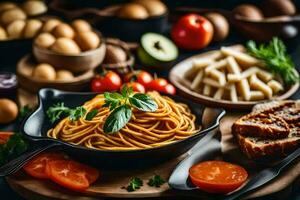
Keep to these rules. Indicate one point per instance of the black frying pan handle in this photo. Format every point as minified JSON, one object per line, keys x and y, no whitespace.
{"x":17,"y":163}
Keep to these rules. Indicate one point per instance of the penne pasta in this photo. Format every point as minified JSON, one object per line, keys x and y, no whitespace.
{"x":233,"y":93}
{"x":243,"y":58}
{"x":197,"y":81}
{"x":244,"y":89}
{"x":219,"y":93}
{"x":201,"y":63}
{"x":257,"y":84}
{"x":213,"y":83}
{"x":275,"y":86}
{"x":207,"y":90}
{"x":219,"y":76}
{"x":216,"y":65}
{"x":245,"y":74}
{"x":233,"y":66}
{"x":256,"y":95}
{"x":264,"y":75}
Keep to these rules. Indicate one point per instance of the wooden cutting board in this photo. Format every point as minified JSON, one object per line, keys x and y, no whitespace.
{"x":111,"y":183}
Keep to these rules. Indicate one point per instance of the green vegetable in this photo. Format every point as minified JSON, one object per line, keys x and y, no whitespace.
{"x":121,"y":106}
{"x":15,"y":146}
{"x":24,"y":111}
{"x":134,"y":184}
{"x":276,"y":59}
{"x":156,"y":181}
{"x":56,"y":111}
{"x":90,"y":115}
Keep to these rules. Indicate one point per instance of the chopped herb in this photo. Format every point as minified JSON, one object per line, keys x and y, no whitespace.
{"x":24,"y":111}
{"x":76,"y":113}
{"x":56,"y":111}
{"x":15,"y":146}
{"x":121,"y":106}
{"x":134,"y":184}
{"x":276,"y":59}
{"x":156,"y":181}
{"x":90,"y":115}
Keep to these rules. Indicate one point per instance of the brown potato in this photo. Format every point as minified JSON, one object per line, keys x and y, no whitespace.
{"x":34,"y":7}
{"x":44,"y":40}
{"x":63,"y":30}
{"x":87,"y":40}
{"x":12,"y":15}
{"x":15,"y":29}
{"x":153,"y":7}
{"x":44,"y":71}
{"x":65,"y":46}
{"x":33,"y":26}
{"x":3,"y":35}
{"x":249,"y":11}
{"x":7,"y":5}
{"x":50,"y":24}
{"x":8,"y":111}
{"x":220,"y":24}
{"x":278,"y":7}
{"x":81,"y":25}
{"x":64,"y":75}
{"x":133,"y":11}
{"x":114,"y":54}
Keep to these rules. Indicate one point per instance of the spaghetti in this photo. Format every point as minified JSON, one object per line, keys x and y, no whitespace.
{"x":170,"y":123}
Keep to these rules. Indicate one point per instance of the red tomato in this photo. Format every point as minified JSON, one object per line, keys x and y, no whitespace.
{"x":158,"y":84}
{"x":37,"y":166}
{"x":111,"y":81}
{"x":169,"y":89}
{"x":218,"y":176}
{"x":71,"y":174}
{"x":141,"y":77}
{"x":4,"y":136}
{"x":137,"y":87}
{"x":192,"y":32}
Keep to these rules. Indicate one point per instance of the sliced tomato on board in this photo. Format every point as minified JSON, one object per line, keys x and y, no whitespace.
{"x":71,"y":174}
{"x":4,"y":136}
{"x":217,"y":176}
{"x":37,"y":166}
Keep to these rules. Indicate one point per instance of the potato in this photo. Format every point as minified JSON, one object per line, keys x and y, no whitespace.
{"x":8,"y":111}
{"x":12,"y":15}
{"x":44,"y":71}
{"x":133,"y":11}
{"x":32,"y":27}
{"x":33,"y":8}
{"x":50,"y":24}
{"x":3,"y":35}
{"x":15,"y":29}
{"x":81,"y":25}
{"x":249,"y":11}
{"x":114,"y":54}
{"x":64,"y":75}
{"x":220,"y":24}
{"x":7,"y":5}
{"x":87,"y":40}
{"x":44,"y":40}
{"x":65,"y":46}
{"x":63,"y":30}
{"x":153,"y":7}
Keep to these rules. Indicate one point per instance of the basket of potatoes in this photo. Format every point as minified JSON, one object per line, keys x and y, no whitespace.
{"x":76,"y":47}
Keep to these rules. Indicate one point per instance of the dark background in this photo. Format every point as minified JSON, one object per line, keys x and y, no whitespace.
{"x":11,"y":52}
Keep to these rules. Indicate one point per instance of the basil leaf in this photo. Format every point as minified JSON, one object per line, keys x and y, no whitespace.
{"x":76,"y":113}
{"x":143,"y":102}
{"x":117,"y":119}
{"x":91,"y":114}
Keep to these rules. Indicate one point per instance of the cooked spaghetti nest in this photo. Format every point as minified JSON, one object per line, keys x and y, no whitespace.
{"x":170,"y":123}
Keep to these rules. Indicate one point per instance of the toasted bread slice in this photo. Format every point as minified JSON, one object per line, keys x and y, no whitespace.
{"x":256,"y":148}
{"x":262,"y":125}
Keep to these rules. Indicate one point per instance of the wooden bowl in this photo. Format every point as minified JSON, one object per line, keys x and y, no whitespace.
{"x":121,"y":67}
{"x":31,"y":84}
{"x":85,"y":61}
{"x":183,"y":87}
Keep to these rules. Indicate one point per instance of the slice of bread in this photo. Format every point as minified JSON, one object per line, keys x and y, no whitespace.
{"x":251,"y":130}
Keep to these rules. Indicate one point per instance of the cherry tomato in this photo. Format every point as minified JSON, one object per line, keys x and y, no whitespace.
{"x":218,"y":176}
{"x":71,"y":174}
{"x":110,"y":81}
{"x":137,"y":87}
{"x":192,"y":32}
{"x":4,"y":136}
{"x":37,"y":166}
{"x":141,"y":77}
{"x":169,"y":89}
{"x":158,"y":84}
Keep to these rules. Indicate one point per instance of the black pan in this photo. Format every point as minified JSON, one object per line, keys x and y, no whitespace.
{"x":36,"y":125}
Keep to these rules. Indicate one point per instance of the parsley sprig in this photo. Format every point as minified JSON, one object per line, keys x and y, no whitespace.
{"x":276,"y":59}
{"x":156,"y":181}
{"x":121,"y":106}
{"x":134,"y":184}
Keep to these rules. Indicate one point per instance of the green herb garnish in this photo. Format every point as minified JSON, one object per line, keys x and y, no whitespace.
{"x":56,"y":111}
{"x":24,"y":111}
{"x":121,"y":106}
{"x":134,"y":184}
{"x":156,"y":181}
{"x":15,"y":146}
{"x":275,"y":57}
{"x":90,"y":115}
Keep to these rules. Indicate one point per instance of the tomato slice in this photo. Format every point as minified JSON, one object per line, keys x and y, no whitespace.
{"x":37,"y":166}
{"x":218,"y":176}
{"x":71,"y":174}
{"x":4,"y":136}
